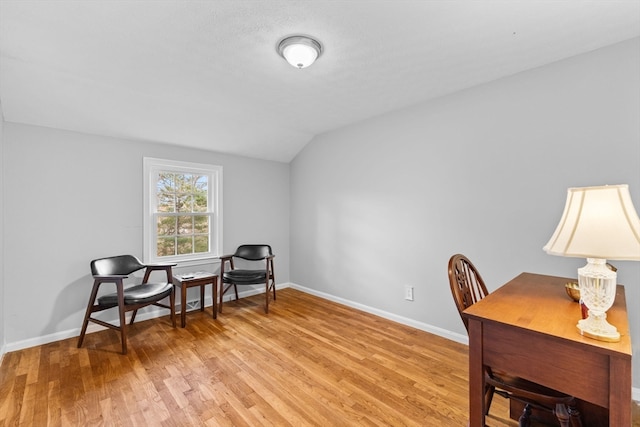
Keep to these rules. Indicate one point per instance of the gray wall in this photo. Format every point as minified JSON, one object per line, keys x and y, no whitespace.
{"x":2,"y":299}
{"x":483,"y":172}
{"x":73,"y":197}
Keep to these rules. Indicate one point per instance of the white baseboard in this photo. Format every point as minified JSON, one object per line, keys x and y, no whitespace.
{"x":157,"y":312}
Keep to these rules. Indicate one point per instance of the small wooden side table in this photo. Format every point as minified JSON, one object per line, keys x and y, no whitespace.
{"x":201,"y":278}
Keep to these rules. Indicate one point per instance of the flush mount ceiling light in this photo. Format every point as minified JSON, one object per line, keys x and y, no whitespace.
{"x":299,"y":51}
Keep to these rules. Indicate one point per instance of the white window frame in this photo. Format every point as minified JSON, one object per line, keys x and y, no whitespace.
{"x":151,"y":167}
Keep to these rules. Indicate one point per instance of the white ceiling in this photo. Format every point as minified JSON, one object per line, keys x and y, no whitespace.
{"x":206,"y":73}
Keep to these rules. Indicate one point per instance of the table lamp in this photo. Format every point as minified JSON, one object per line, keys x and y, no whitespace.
{"x":598,"y":223}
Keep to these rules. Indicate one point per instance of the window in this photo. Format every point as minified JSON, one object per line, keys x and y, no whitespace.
{"x":182,"y":210}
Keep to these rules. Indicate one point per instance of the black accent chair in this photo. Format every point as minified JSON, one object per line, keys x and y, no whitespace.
{"x":255,"y":254}
{"x":467,"y":288}
{"x":115,"y":270}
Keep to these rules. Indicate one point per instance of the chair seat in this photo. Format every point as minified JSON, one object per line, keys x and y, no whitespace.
{"x":139,"y":294}
{"x":245,"y":276}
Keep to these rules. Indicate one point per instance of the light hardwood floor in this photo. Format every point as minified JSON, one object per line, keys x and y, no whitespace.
{"x":310,"y":362}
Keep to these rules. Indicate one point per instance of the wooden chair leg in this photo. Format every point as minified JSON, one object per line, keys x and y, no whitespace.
{"x":525,"y":418}
{"x":266,"y":298}
{"x":85,"y":323}
{"x":220,"y":295}
{"x":172,"y":305}
{"x":123,"y":323}
{"x":272,"y":278}
{"x":123,"y":330}
{"x":574,"y":416}
{"x":133,"y":316}
{"x":488,"y":398}
{"x":562,"y":415}
{"x":223,"y":291}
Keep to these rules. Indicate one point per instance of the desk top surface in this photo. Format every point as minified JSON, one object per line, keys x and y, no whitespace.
{"x":540,"y":303}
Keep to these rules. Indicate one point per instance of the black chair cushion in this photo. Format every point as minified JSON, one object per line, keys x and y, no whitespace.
{"x":139,"y":294}
{"x":247,"y":277}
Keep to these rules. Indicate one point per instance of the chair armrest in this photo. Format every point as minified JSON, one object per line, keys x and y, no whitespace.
{"x":155,"y":267}
{"x":224,"y":259}
{"x":159,"y":266}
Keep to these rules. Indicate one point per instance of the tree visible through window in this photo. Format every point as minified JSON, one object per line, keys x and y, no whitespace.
{"x":183,"y":210}
{"x":182,"y":219}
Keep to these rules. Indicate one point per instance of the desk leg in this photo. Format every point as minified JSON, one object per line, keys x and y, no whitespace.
{"x":619,"y":392}
{"x":214,"y":296}
{"x":476,"y":375}
{"x":183,"y":305}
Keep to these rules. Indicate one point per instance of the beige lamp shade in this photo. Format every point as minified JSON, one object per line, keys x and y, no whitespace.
{"x":598,"y":222}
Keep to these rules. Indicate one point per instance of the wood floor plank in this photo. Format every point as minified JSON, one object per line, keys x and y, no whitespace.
{"x":309,"y":362}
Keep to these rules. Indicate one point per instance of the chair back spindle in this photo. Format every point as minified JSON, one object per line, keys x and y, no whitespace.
{"x":466,"y":284}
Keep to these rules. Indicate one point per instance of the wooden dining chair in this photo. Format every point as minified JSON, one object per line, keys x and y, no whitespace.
{"x":467,"y":288}
{"x":115,"y":270}
{"x":260,"y":271}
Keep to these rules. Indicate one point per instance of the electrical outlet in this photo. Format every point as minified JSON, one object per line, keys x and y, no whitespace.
{"x":408,"y":292}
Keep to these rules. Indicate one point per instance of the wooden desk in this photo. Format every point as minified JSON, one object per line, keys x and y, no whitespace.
{"x":528,"y":328}
{"x":199,"y":279}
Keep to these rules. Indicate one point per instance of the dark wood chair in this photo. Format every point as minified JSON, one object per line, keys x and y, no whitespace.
{"x":115,"y":270}
{"x":467,"y":288}
{"x":255,"y":255}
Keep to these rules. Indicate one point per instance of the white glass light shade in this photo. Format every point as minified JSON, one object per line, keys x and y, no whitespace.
{"x":598,"y":222}
{"x":299,"y":51}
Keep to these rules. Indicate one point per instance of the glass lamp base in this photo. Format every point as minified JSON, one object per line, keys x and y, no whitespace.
{"x":598,"y":291}
{"x":598,"y":329}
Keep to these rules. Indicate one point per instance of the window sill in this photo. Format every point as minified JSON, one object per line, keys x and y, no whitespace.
{"x":198,"y":262}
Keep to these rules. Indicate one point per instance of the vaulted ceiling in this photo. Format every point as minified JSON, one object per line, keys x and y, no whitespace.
{"x":206,"y":74}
